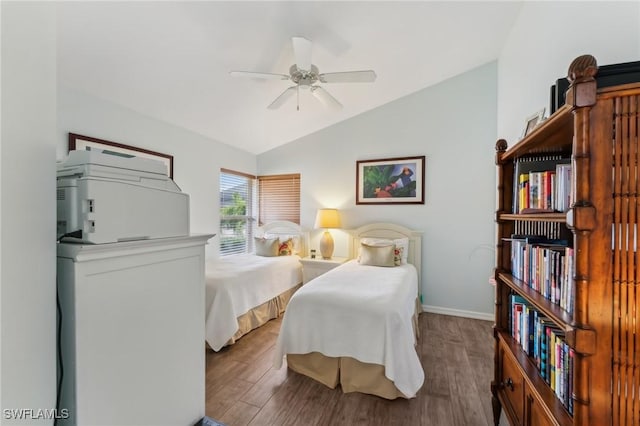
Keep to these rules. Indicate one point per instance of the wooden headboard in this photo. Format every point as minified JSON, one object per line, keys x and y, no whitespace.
{"x":286,"y":228}
{"x":390,"y":231}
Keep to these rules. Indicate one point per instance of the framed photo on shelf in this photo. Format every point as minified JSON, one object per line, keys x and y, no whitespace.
{"x":533,"y":121}
{"x":390,"y":181}
{"x":86,"y":143}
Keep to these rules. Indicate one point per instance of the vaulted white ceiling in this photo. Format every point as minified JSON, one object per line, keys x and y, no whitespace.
{"x":171,"y":60}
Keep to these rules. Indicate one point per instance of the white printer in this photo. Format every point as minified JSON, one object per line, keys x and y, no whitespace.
{"x":106,"y":197}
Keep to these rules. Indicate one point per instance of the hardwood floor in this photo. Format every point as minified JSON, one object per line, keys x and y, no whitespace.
{"x":242,"y":388}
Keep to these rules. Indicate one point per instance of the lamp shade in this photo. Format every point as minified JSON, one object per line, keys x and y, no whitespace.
{"x":327,"y":218}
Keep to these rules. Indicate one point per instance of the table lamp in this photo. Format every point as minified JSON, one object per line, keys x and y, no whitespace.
{"x":327,"y":218}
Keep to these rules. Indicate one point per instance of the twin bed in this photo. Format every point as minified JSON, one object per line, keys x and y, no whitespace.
{"x":243,"y":292}
{"x":355,"y":325}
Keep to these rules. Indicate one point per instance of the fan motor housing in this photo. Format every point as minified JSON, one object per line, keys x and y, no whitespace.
{"x":302,"y":77}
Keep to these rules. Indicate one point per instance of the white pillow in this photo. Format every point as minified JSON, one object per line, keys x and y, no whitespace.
{"x":377,"y":255}
{"x":398,"y":242}
{"x":267,"y":247}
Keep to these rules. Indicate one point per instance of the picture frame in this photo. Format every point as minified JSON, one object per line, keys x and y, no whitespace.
{"x":390,"y":180}
{"x":82,"y":142}
{"x":533,"y":121}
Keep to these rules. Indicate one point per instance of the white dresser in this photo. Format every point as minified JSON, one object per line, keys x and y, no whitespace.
{"x":133,"y":331}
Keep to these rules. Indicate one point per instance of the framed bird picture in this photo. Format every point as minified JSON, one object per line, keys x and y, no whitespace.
{"x":390,"y":181}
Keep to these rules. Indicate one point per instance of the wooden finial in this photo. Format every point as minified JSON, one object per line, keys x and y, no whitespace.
{"x":501,"y":145}
{"x":583,"y":68}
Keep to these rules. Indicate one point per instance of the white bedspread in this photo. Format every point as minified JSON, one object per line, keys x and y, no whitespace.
{"x":364,"y":312}
{"x":236,"y":284}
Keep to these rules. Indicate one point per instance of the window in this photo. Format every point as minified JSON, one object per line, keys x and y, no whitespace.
{"x":237,"y":212}
{"x":279,"y":198}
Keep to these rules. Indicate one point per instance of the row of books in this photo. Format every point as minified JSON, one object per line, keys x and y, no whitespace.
{"x":546,"y":266}
{"x":544,"y":342}
{"x":542,"y":184}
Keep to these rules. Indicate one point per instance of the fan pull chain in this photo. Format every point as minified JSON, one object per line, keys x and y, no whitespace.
{"x":298,"y":96}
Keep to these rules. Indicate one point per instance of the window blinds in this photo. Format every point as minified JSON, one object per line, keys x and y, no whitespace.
{"x":279,"y":198}
{"x":237,"y":212}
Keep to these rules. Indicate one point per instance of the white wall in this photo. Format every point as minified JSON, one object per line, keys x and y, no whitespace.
{"x":454,"y":125}
{"x":545,"y":39}
{"x":197,"y":159}
{"x":28,"y":221}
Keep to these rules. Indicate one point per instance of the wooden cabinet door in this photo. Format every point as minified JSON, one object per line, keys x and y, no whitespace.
{"x":535,"y":414}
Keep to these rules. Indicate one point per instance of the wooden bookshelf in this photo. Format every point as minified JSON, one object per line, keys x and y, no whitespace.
{"x":600,"y":130}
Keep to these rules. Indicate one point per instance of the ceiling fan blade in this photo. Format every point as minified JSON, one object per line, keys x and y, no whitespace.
{"x":367,"y":76}
{"x":284,"y":96}
{"x":302,"y":53}
{"x":324,"y":97}
{"x":264,"y":75}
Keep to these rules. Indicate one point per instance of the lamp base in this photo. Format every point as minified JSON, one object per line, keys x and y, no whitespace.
{"x":326,"y":245}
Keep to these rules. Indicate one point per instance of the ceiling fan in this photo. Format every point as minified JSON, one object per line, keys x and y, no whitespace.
{"x":305,"y":75}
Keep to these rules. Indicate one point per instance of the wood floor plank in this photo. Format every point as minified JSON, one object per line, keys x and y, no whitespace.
{"x":253,"y":350}
{"x":259,"y":367}
{"x":436,"y":411}
{"x":240,"y":414}
{"x":350,"y":409}
{"x":465,"y":400}
{"x":283,"y":405}
{"x":225,"y":373}
{"x":476,"y":335}
{"x":436,"y":378}
{"x":457,"y":357}
{"x":398,"y":412}
{"x":266,"y":387}
{"x":483,"y":374}
{"x":225,"y":397}
{"x":316,"y":401}
{"x":446,"y":327}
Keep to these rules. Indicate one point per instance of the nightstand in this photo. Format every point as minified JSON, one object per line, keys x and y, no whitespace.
{"x":312,"y":268}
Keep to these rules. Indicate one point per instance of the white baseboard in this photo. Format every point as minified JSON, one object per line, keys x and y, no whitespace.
{"x":458,"y":313}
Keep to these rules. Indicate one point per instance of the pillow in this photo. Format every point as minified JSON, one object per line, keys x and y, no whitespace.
{"x":285,"y":248}
{"x":295,"y":239}
{"x":404,"y":244}
{"x":267,"y":247}
{"x":397,"y":255}
{"x":377,"y":255}
{"x":398,"y":242}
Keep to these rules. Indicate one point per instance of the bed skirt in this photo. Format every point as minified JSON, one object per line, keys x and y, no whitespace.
{"x":351,"y":374}
{"x":262,"y":314}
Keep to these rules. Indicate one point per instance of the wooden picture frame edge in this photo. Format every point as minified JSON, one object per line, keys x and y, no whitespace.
{"x":74,"y":137}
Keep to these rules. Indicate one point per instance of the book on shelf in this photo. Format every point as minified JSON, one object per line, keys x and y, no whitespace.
{"x":569,"y":404}
{"x":536,"y":184}
{"x":544,"y":342}
{"x":540,"y":356}
{"x":545,"y":265}
{"x":563,"y":187}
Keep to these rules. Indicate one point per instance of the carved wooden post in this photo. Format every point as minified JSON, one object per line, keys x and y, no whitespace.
{"x":581,"y":220}
{"x":501,"y":147}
